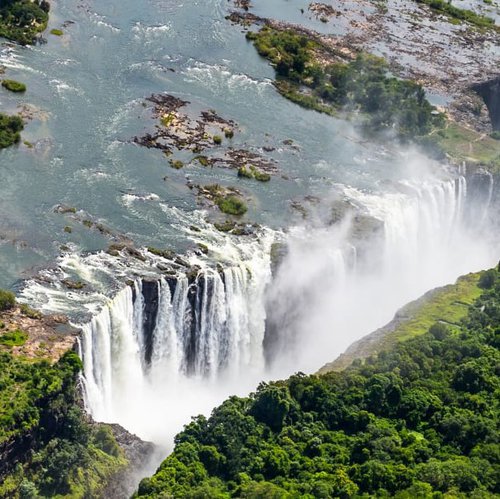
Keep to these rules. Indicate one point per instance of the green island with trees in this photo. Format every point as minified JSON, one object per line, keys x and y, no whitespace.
{"x":10,"y":130}
{"x":360,"y":87}
{"x":22,"y":20}
{"x":319,"y":77}
{"x":417,"y":420}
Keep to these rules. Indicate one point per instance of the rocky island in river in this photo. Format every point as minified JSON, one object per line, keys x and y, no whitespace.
{"x":198,"y":200}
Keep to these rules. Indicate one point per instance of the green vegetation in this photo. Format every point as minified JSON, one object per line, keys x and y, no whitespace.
{"x":7,"y":300}
{"x":70,"y":284}
{"x":228,"y":133}
{"x":56,"y":32}
{"x":30,"y":312}
{"x":164,"y":253}
{"x":231,"y":227}
{"x":177,"y":164}
{"x":458,"y":14}
{"x":419,"y":420}
{"x":231,"y":205}
{"x":65,"y":456}
{"x":14,"y":86}
{"x":261,"y":176}
{"x":167,"y":119}
{"x":244,"y":172}
{"x":10,"y":128}
{"x":203,"y":160}
{"x":22,"y":20}
{"x":364,"y":90}
{"x":217,"y":139}
{"x":226,"y":198}
{"x":446,"y":305}
{"x":362,"y":87}
{"x":252,"y":172}
{"x":14,"y":338}
{"x":464,"y":144}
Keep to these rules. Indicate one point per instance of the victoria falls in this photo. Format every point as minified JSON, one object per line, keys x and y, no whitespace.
{"x":249,"y":249}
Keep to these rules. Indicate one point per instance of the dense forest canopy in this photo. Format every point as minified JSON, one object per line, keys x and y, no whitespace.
{"x":420,"y":420}
{"x":47,"y":446}
{"x":21,"y":20}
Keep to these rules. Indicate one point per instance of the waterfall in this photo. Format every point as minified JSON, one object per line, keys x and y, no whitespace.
{"x":207,"y":328}
{"x":417,"y":238}
{"x":181,"y":337}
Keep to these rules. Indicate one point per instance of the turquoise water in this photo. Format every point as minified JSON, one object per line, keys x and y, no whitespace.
{"x":86,"y":91}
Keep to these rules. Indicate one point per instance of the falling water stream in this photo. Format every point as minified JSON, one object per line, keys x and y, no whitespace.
{"x":163,"y":341}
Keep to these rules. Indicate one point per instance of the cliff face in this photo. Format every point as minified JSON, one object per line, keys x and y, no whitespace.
{"x":48,"y":336}
{"x":490,"y":93}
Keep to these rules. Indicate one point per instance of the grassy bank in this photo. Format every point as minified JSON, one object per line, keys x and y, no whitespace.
{"x":447,"y":305}
{"x":464,"y":144}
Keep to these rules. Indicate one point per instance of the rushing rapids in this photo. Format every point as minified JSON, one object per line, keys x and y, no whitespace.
{"x":173,"y":343}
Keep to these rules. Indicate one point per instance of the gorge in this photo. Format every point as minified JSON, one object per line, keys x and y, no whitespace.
{"x":181,"y":304}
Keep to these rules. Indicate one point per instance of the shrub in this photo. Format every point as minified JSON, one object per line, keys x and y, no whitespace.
{"x":30,"y":312}
{"x":439,"y":331}
{"x":105,"y":440}
{"x":232,"y":205}
{"x":229,"y":133}
{"x":167,"y":119}
{"x":14,"y":86}
{"x":7,"y":300}
{"x":56,"y":32}
{"x":13,"y":338}
{"x":217,"y":139}
{"x":261,"y":176}
{"x":244,"y":172}
{"x":487,"y":279}
{"x":203,"y":160}
{"x":176,"y":163}
{"x":10,"y":128}
{"x":252,"y":172}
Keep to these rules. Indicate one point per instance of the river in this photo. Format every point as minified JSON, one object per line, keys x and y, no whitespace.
{"x":87,"y":91}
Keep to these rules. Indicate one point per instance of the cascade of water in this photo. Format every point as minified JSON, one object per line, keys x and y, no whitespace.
{"x":172,"y":338}
{"x":205,"y":328}
{"x":330,"y":302}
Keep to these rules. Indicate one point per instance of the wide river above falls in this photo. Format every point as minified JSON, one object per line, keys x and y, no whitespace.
{"x":86,"y":91}
{"x":86,"y":94}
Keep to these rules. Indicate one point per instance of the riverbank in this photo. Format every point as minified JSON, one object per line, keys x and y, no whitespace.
{"x":465,"y":99}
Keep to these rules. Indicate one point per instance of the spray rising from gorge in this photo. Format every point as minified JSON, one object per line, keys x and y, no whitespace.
{"x":177,"y":342}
